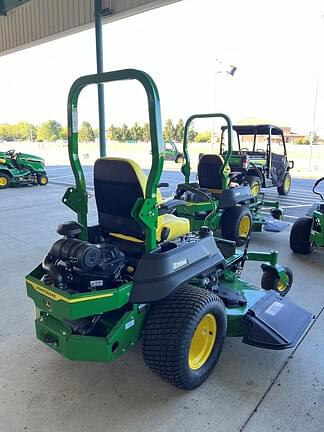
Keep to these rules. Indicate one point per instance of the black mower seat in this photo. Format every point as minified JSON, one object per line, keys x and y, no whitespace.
{"x":118,"y":183}
{"x":210,"y":176}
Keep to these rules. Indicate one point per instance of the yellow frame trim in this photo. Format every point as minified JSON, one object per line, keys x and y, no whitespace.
{"x":58,"y":297}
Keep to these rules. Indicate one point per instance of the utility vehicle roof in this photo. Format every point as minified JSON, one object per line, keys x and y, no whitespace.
{"x":261,"y":129}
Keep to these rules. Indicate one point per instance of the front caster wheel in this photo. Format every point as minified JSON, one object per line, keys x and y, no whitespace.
{"x":42,"y":179}
{"x":184,"y":336}
{"x":277,"y":214}
{"x":271,"y":281}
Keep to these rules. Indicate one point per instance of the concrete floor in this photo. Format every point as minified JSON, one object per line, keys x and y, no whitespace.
{"x":250,"y":390}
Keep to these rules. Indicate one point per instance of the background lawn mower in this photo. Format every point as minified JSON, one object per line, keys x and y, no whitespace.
{"x":21,"y":168}
{"x":308,"y":232}
{"x":216,"y":200}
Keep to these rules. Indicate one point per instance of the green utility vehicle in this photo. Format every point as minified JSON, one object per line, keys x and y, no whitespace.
{"x":308,"y":232}
{"x":21,"y":168}
{"x":216,"y":201}
{"x":138,"y":274}
{"x":172,"y":153}
{"x":255,"y":161}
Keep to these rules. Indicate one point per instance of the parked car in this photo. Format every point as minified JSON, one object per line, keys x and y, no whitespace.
{"x":172,"y":152}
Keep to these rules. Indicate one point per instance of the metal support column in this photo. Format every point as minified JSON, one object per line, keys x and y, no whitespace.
{"x":101,"y":96}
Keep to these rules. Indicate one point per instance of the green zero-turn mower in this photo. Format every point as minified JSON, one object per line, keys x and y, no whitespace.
{"x":138,"y":274}
{"x":21,"y":168}
{"x":216,"y":201}
{"x":308,"y":232}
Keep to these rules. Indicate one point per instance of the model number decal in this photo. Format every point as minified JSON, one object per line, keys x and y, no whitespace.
{"x":96,"y":283}
{"x":274,"y":308}
{"x":178,"y":264}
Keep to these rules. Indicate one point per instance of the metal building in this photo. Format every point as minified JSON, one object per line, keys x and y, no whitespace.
{"x":37,"y":21}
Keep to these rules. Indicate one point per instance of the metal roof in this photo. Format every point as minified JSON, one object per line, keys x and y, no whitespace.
{"x":261,"y":129}
{"x":25,"y":23}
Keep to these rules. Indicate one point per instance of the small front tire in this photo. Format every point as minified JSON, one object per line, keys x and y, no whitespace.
{"x":271,"y":281}
{"x":277,"y":214}
{"x":42,"y":180}
{"x":184,"y":335}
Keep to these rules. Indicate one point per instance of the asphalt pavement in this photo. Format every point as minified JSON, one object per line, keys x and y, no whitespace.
{"x":295,"y":204}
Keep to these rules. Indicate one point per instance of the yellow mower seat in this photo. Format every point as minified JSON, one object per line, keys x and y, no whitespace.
{"x":118,"y":184}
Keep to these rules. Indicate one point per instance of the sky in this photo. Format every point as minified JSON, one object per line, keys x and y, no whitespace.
{"x":276,"y":47}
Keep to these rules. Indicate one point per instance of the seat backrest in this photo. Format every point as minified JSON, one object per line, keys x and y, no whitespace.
{"x":118,"y":183}
{"x":210,"y":174}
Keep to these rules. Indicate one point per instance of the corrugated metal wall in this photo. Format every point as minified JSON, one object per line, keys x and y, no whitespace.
{"x":41,"y":20}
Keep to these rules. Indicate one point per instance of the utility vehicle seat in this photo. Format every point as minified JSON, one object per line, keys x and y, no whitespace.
{"x":118,"y":183}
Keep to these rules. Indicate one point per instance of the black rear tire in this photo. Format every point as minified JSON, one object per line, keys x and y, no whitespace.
{"x":170,"y":329}
{"x":271,"y":281}
{"x":285,"y":188}
{"x":300,"y":236}
{"x":236,"y":224}
{"x":5,"y":180}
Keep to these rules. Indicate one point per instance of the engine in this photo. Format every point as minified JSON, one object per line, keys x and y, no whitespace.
{"x":74,"y":265}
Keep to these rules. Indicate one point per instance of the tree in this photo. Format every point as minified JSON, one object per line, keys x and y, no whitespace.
{"x":125,"y":133}
{"x":307,"y":138}
{"x":49,"y":131}
{"x":86,"y":133}
{"x":179,"y":131}
{"x":146,"y":136}
{"x":64,"y":133}
{"x":169,"y":131}
{"x":6,"y":132}
{"x":136,"y":132}
{"x":24,"y":131}
{"x":203,"y":137}
{"x":192,"y":134}
{"x":112,"y":132}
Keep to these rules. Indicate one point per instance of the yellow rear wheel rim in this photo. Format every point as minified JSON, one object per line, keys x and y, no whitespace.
{"x":245,"y":226}
{"x":202,"y":342}
{"x":43,"y":180}
{"x":3,"y":181}
{"x":287,"y":183}
{"x":255,"y":188}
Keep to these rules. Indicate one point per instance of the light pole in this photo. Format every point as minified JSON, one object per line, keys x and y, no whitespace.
{"x":313,"y":134}
{"x":221,"y":68}
{"x":314,"y":123}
